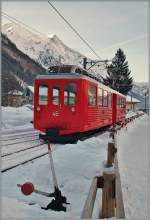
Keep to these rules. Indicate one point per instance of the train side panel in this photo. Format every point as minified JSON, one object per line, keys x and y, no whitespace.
{"x":96,"y":115}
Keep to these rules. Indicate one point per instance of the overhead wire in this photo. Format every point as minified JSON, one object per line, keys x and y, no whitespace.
{"x":75,"y":30}
{"x":15,"y":20}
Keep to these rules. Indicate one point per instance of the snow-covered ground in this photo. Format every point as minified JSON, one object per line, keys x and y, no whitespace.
{"x":134,"y":162}
{"x":76,"y":165}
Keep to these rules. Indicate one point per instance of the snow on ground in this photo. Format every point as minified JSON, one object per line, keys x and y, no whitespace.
{"x":75,"y":165}
{"x":134,"y":161}
{"x":16,"y":117}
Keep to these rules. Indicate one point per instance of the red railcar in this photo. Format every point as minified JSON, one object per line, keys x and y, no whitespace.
{"x":68,"y":103}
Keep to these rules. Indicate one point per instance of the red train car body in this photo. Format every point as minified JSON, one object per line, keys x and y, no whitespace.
{"x":68,"y":103}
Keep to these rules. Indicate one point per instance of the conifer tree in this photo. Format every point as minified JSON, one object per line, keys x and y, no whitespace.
{"x":118,"y":74}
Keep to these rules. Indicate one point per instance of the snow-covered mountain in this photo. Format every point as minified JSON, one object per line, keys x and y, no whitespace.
{"x":45,"y":49}
{"x":140,"y":88}
{"x":138,"y":91}
{"x":18,"y":69}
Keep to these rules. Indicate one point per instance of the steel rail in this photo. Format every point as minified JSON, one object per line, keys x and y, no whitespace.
{"x":24,"y":149}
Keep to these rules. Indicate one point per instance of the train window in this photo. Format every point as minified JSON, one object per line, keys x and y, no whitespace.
{"x":118,"y":101}
{"x":109,"y":100}
{"x":43,"y":94}
{"x":56,"y":94}
{"x":70,"y":91}
{"x":123,"y":102}
{"x":105,"y":95}
{"x":100,"y":97}
{"x":92,"y":96}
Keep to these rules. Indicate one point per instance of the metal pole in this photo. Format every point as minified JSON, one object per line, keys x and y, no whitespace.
{"x":145,"y":102}
{"x":84,"y":62}
{"x":55,"y":184}
{"x":131,"y":103}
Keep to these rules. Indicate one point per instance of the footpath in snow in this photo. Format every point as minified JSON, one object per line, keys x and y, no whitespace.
{"x":134,"y":160}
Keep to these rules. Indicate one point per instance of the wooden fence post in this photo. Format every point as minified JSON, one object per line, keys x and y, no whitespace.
{"x":108,"y":195}
{"x":111,"y":154}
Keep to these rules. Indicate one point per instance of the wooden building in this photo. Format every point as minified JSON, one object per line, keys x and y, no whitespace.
{"x":131,"y":103}
{"x":14,"y":98}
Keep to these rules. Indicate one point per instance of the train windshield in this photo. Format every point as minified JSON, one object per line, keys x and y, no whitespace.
{"x":70,"y":90}
{"x":43,"y":94}
{"x":56,"y":94}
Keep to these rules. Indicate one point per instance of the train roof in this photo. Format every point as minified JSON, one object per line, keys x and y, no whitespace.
{"x":72,"y":74}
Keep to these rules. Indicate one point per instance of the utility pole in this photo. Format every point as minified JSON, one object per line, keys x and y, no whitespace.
{"x":131,"y":104}
{"x":93,"y":63}
{"x":84,"y":62}
{"x":145,"y":96}
{"x":145,"y":102}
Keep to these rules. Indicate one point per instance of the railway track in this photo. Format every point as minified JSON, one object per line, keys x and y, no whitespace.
{"x":15,"y":137}
{"x":20,"y":147}
{"x":25,"y":153}
{"x":19,"y":142}
{"x":19,"y":154}
{"x":17,"y":131}
{"x":21,"y":150}
{"x":22,"y":156}
{"x":23,"y":162}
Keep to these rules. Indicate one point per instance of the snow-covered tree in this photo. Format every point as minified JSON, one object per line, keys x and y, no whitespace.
{"x":118,"y":74}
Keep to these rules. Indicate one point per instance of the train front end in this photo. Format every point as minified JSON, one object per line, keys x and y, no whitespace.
{"x":56,"y":110}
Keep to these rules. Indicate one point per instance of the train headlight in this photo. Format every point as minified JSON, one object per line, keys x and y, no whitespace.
{"x":38,"y":109}
{"x":73,"y":109}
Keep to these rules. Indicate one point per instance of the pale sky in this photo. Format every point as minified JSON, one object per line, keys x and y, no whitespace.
{"x":105,"y":25}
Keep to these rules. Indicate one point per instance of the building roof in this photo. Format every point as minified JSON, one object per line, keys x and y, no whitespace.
{"x":31,"y":88}
{"x":128,"y":99}
{"x":15,"y":92}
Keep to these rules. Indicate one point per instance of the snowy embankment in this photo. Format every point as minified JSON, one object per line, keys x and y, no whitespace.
{"x":134,"y":162}
{"x":16,"y":118}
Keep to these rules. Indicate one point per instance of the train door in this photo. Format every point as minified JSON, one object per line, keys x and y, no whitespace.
{"x":56,"y":100}
{"x":70,"y":100}
{"x":100,"y":104}
{"x":114,"y":108}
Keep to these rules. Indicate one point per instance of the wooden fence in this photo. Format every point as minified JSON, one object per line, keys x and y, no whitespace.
{"x":109,"y":182}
